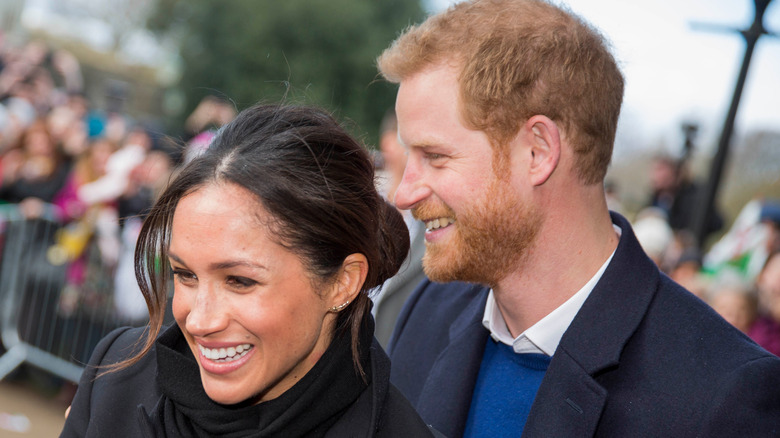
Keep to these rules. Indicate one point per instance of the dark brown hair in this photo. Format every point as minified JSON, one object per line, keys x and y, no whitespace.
{"x":315,"y":181}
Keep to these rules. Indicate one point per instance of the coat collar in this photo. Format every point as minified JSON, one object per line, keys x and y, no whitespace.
{"x":366,"y":413}
{"x":631,"y":279}
{"x":570,"y":401}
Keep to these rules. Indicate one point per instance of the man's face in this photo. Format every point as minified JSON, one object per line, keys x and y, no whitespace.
{"x":478,"y":227}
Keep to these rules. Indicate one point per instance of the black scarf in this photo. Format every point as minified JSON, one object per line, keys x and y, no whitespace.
{"x":308,"y":409}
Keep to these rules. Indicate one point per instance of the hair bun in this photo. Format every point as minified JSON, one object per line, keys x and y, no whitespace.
{"x":394,"y":241}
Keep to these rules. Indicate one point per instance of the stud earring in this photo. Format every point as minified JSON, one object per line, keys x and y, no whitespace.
{"x":339,"y":308}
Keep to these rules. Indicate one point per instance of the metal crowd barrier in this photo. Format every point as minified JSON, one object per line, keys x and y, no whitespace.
{"x":46,"y":321}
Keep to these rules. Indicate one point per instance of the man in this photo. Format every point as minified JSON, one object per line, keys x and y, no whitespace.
{"x":391,"y":297}
{"x":508,"y":111}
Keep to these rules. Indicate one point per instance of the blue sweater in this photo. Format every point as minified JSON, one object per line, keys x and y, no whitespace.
{"x":505,"y":389}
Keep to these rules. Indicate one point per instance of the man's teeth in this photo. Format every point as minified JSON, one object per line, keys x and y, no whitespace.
{"x":438,"y":223}
{"x":225,"y":354}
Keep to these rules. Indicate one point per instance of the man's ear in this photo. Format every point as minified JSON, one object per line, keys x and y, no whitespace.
{"x":349,"y":283}
{"x":544,"y":145}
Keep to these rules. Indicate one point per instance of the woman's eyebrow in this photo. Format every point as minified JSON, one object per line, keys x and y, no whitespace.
{"x":233,"y":263}
{"x":222,"y":265}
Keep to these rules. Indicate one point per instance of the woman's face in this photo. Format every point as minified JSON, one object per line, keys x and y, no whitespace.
{"x":39,"y":143}
{"x":245,"y":304}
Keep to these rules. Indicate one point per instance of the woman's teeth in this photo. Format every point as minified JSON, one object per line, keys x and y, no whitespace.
{"x":438,"y":223}
{"x":225,"y":354}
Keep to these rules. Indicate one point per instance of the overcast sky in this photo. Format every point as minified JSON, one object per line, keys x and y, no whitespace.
{"x":675,"y":73}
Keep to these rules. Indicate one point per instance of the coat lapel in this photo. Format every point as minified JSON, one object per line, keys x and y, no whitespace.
{"x":446,"y":397}
{"x":568,"y":404}
{"x":570,"y":400}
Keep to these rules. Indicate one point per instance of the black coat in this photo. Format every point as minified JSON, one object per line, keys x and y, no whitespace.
{"x":642,"y":358}
{"x":109,"y":406}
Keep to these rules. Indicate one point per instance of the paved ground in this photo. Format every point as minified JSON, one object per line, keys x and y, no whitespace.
{"x":32,"y":405}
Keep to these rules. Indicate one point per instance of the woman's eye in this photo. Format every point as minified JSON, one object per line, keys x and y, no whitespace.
{"x":241,"y":282}
{"x":184,"y":277}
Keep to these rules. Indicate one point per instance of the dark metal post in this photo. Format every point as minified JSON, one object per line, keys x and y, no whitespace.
{"x":707,"y":200}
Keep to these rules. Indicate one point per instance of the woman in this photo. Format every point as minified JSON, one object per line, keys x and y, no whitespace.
{"x":766,"y":328}
{"x":274,"y":236}
{"x":34,"y":171}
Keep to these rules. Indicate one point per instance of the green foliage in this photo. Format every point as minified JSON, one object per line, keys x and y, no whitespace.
{"x":304,"y":51}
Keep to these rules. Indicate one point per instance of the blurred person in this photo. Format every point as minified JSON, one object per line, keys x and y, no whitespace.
{"x":273,"y":236}
{"x":753,"y":236}
{"x":5,"y":130}
{"x":673,"y":191}
{"x":391,"y":297}
{"x":147,"y":181}
{"x":115,"y":128}
{"x":508,"y":110}
{"x":770,"y":219}
{"x":766,"y":329}
{"x":69,"y":70}
{"x":74,"y":139}
{"x":79,"y":105}
{"x":736,"y":303}
{"x":42,"y":76}
{"x":115,"y":182}
{"x":202,"y":124}
{"x":100,"y":198}
{"x":42,"y":90}
{"x":34,"y":171}
{"x":210,"y":113}
{"x":67,"y":125}
{"x":198,"y":145}
{"x":686,"y":270}
{"x":654,"y":234}
{"x":90,"y":166}
{"x":21,"y":114}
{"x":58,"y":120}
{"x":82,"y":221}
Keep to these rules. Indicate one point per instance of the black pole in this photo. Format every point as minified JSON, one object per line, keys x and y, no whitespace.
{"x":706,"y":202}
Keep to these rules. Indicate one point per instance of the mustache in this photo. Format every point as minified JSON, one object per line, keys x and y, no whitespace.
{"x":430,"y":210}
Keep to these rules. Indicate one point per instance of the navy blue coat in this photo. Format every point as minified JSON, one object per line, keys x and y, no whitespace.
{"x":642,"y":358}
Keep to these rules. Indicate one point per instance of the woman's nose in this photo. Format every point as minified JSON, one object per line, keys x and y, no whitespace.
{"x":207,"y":314}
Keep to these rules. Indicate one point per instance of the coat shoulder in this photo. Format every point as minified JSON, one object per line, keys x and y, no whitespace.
{"x":435,"y":306}
{"x":106,"y":402}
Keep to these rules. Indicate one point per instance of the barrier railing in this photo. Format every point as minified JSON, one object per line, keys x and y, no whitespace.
{"x":45,"y":319}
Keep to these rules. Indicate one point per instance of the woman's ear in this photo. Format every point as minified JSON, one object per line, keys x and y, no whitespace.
{"x":349,"y":283}
{"x":544,"y":141}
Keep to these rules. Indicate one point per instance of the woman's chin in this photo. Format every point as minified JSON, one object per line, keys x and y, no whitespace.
{"x":227,"y":395}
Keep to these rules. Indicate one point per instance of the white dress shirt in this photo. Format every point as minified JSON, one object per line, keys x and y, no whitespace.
{"x":544,"y":336}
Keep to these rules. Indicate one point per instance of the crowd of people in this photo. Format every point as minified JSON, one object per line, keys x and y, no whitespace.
{"x":736,"y":275}
{"x":90,"y":173}
{"x":509,"y":297}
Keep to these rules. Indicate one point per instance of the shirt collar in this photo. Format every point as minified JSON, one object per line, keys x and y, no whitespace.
{"x":544,"y":336}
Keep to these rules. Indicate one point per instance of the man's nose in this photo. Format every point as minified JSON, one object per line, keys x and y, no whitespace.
{"x":412,"y":188}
